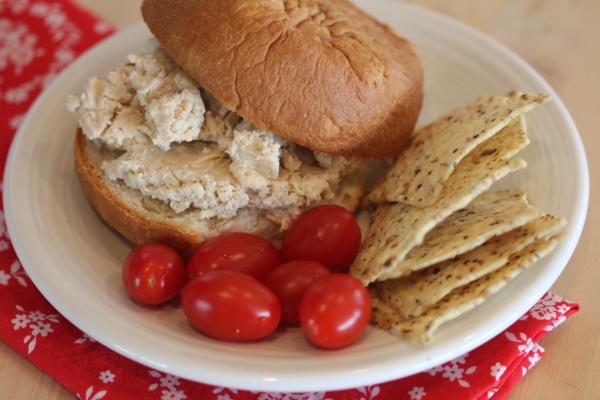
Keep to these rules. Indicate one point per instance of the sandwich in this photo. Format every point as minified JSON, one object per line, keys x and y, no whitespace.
{"x":246,"y":113}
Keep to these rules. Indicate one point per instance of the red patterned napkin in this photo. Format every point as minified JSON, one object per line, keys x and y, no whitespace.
{"x":38,"y":38}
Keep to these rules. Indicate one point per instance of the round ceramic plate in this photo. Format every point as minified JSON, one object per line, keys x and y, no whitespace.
{"x":75,"y":260}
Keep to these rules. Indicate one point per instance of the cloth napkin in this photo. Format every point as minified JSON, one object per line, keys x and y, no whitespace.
{"x":38,"y":38}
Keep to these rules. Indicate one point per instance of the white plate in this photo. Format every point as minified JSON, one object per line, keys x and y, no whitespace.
{"x":75,"y":260}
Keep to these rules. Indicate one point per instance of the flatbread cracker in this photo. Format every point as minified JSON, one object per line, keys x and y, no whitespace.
{"x":420,"y":174}
{"x":397,"y":228}
{"x":489,"y":215}
{"x":461,"y":300}
{"x":411,"y":296}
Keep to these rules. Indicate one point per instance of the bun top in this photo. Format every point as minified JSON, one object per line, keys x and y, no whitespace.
{"x":321,"y":73}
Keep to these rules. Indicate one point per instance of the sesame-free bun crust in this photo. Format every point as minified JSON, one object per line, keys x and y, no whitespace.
{"x":321,"y":73}
{"x":141,"y":219}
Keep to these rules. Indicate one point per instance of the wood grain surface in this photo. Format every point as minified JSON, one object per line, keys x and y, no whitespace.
{"x":560,"y":39}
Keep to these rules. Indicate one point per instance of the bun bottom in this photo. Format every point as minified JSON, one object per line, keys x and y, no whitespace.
{"x":141,"y":219}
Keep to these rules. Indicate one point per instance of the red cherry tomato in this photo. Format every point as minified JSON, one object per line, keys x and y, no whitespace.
{"x":328,"y":234}
{"x":230,"y":305}
{"x":153,"y":273}
{"x":334,"y":311}
{"x":289,"y":281}
{"x":243,"y":252}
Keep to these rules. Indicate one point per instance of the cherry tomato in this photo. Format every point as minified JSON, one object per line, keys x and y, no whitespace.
{"x":289,"y":281}
{"x":328,"y":234}
{"x":230,"y":305}
{"x":334,"y":311}
{"x":153,"y":273}
{"x":243,"y":252}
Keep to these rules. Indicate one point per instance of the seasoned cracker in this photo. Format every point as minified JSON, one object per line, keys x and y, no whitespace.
{"x":420,"y":174}
{"x":411,"y":296}
{"x":460,"y":300}
{"x":490,"y":214}
{"x":398,"y":228}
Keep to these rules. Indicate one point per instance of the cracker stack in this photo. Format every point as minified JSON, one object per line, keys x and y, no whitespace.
{"x":439,"y":242}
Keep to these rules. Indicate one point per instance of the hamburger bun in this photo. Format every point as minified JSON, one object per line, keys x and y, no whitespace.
{"x":321,"y":73}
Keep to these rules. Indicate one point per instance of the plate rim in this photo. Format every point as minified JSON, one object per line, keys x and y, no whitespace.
{"x":386,"y":371}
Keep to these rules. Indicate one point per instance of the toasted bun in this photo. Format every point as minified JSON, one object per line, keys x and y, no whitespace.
{"x":141,"y":219}
{"x":321,"y":73}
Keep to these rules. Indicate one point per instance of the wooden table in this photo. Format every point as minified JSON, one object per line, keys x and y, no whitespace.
{"x":560,"y":39}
